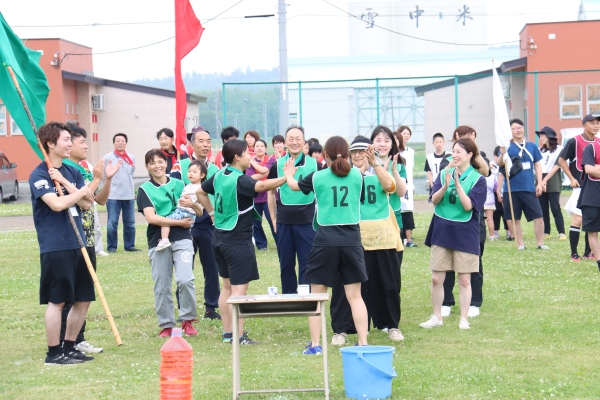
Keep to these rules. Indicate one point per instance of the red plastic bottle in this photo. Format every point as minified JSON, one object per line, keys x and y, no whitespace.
{"x":176,"y":368}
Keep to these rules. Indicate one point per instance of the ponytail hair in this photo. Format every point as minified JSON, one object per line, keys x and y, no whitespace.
{"x":336,"y":149}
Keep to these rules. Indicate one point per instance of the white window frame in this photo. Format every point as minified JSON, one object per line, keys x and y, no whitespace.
{"x":14,"y":128}
{"x":571,"y":103}
{"x":3,"y":132}
{"x":592,"y":106}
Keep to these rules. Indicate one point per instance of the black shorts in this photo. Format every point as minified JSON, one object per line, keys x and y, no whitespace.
{"x":327,"y":264}
{"x":523,"y":202}
{"x":65,"y":277}
{"x":590,"y":219}
{"x":236,"y":262}
{"x":408,"y":221}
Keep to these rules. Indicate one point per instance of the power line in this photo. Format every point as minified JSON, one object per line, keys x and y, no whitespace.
{"x":415,"y":37}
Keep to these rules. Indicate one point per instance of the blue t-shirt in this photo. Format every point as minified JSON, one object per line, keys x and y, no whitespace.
{"x":53,"y":228}
{"x":524,"y":181}
{"x":459,"y":236}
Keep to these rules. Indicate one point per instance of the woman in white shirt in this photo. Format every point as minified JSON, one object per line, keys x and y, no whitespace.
{"x":551,"y":179}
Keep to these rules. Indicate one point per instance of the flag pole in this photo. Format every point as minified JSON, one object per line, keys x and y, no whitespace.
{"x":71,"y":220}
{"x":510,"y":203}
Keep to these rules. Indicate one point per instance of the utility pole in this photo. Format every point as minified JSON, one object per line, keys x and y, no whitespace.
{"x":264,"y":104}
{"x":283,"y":68}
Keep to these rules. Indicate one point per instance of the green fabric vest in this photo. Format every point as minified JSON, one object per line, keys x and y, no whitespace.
{"x":338,"y":199}
{"x":226,"y":205}
{"x":287,"y":195}
{"x":375,"y":205}
{"x":87,"y":174}
{"x":185,"y":165}
{"x":450,"y":207}
{"x":394,"y":198}
{"x":165,"y":197}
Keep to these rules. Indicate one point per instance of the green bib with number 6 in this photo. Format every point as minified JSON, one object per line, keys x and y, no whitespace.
{"x":450,"y":207}
{"x":375,"y":205}
{"x":338,"y":199}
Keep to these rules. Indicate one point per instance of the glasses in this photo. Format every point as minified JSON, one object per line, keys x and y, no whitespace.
{"x":359,"y":151}
{"x":517,"y":128}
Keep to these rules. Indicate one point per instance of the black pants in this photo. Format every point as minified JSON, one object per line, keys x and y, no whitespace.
{"x":550,"y":202}
{"x":499,"y":213}
{"x":202,"y":239}
{"x":381,"y":294}
{"x":476,"y":284}
{"x":67,"y":307}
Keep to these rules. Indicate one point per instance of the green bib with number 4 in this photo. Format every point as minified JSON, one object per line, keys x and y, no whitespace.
{"x":375,"y":205}
{"x":226,"y":205}
{"x":338,"y":199}
{"x":450,"y":207}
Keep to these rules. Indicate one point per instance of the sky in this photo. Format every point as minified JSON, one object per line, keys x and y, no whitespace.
{"x":230,"y":41}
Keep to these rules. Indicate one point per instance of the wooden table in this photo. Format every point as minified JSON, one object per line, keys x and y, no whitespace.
{"x":283,"y":305}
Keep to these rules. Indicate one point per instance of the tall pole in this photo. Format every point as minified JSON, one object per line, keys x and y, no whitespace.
{"x":283,"y":68}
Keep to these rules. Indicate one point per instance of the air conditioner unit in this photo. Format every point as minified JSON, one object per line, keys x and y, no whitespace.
{"x":506,"y":89}
{"x":98,"y":102}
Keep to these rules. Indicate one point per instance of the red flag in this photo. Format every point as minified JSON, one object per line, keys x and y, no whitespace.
{"x":187,"y":36}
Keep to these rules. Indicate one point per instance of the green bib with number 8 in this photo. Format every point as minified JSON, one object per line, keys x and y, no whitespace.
{"x":338,"y":199}
{"x":450,"y":207}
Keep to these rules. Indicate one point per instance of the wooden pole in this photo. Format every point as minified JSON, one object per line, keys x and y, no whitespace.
{"x":86,"y":257}
{"x":510,"y":203}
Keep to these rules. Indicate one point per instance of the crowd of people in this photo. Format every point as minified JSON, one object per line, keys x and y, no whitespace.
{"x":342,"y":213}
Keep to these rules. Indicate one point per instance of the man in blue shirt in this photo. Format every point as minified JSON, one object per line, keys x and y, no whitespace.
{"x":523,"y":185}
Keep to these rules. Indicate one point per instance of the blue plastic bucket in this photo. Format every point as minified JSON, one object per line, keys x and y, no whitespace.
{"x":368,"y":371}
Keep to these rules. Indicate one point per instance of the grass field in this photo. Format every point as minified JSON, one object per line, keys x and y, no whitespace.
{"x":537,"y":335}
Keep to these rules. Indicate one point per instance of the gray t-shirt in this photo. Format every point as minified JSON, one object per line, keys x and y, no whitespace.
{"x":121,"y":186}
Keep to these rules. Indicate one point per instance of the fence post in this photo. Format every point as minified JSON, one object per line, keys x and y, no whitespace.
{"x":535,"y":100}
{"x":455,"y":100}
{"x":300,"y":102}
{"x":224,"y":105}
{"x":377,"y":98}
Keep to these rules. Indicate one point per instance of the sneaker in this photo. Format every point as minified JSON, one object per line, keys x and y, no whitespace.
{"x":87,"y":347}
{"x":395,"y":334}
{"x":162,"y":244}
{"x":313,"y":351}
{"x":432,"y":322}
{"x":496,"y":235}
{"x":212,"y":314}
{"x":492,"y":238}
{"x":61,"y":359}
{"x":522,"y":247}
{"x":562,"y":236}
{"x":246,"y":340}
{"x":464,"y":324}
{"x":383,"y":329}
{"x":589,"y":256}
{"x":102,"y":253}
{"x":543,"y":247}
{"x":339,"y":339}
{"x":473,"y":311}
{"x":188,"y":328}
{"x":411,"y":244}
{"x":546,"y":235}
{"x":227,"y":337}
{"x":446,"y":311}
{"x":77,"y":355}
{"x":575,"y":258}
{"x":133,"y":250}
{"x":165,"y":332}
{"x":509,"y":238}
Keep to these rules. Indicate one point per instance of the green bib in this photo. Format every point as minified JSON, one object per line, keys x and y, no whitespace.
{"x":287,"y":195}
{"x":450,"y":207}
{"x":165,"y":197}
{"x":394,"y":198}
{"x":375,"y":205}
{"x":226,"y":205}
{"x":185,"y":166}
{"x":338,"y":199}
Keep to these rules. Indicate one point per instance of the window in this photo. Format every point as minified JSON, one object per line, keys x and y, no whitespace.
{"x":2,"y":120}
{"x":593,"y":99}
{"x":570,"y":101}
{"x":14,"y":128}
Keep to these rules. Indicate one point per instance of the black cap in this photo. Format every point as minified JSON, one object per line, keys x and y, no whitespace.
{"x":590,"y":117}
{"x":360,"y":143}
{"x":194,"y":130}
{"x":549,"y":132}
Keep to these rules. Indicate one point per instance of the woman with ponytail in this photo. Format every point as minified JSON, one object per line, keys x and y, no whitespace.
{"x":337,"y":249}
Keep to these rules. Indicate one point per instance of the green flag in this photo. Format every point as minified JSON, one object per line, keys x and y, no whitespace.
{"x":32,"y":81}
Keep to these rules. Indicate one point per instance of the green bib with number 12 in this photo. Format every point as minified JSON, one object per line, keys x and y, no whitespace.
{"x":450,"y":207}
{"x":338,"y":199}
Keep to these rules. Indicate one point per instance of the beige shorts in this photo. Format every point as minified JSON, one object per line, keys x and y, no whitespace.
{"x":442,"y":259}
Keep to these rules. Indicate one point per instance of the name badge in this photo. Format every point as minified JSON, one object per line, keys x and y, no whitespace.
{"x":73,"y":211}
{"x":526,"y":165}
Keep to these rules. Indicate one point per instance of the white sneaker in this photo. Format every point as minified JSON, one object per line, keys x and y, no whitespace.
{"x":522,"y":247}
{"x":473,"y":311}
{"x":463,"y":324}
{"x":446,"y":311}
{"x":395,"y":334}
{"x":162,"y":244}
{"x":339,"y":339}
{"x":102,"y":253}
{"x":432,"y":322}
{"x":86,"y":347}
